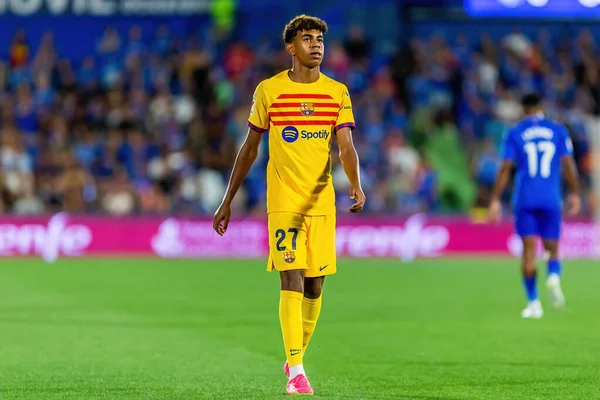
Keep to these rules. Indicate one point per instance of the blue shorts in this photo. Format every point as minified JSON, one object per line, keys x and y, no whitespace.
{"x":538,"y":222}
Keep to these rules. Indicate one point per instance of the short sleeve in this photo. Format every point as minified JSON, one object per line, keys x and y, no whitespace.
{"x":259,"y":118}
{"x":565,"y":145}
{"x":508,"y":149}
{"x":345,"y":117}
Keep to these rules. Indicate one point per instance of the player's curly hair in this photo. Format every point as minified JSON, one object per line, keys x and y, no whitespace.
{"x":531,"y":100}
{"x":303,"y":23}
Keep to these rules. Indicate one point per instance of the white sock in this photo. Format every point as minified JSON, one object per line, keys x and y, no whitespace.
{"x":296,"y":370}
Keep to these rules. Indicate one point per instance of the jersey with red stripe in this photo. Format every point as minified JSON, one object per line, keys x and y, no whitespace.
{"x":301,"y":119}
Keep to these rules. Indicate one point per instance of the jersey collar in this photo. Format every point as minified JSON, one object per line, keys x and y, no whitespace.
{"x":536,"y":116}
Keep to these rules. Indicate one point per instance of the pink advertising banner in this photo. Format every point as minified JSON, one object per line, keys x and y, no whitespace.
{"x":403,"y":238}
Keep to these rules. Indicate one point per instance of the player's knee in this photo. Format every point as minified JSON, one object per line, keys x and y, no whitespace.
{"x":292,"y":280}
{"x":529,"y":266}
{"x":313,"y":287}
{"x":551,"y":248}
{"x":552,"y":254}
{"x":528,"y":262}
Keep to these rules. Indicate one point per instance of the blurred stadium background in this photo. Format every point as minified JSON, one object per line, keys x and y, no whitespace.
{"x":119,"y":124}
{"x":127,"y":114}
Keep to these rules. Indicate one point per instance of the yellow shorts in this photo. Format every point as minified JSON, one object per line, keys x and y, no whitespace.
{"x":299,"y":241}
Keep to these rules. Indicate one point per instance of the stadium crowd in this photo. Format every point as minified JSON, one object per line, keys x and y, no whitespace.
{"x":151,"y":123}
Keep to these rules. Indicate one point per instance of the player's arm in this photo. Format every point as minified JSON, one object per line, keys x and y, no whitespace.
{"x":572,"y":177}
{"x":258,"y":123}
{"x":348,"y":154}
{"x":509,"y":155}
{"x":349,"y":159}
{"x":243,"y":162}
{"x":501,"y":183}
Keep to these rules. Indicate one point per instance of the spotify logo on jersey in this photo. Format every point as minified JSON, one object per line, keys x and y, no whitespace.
{"x":289,"y":134}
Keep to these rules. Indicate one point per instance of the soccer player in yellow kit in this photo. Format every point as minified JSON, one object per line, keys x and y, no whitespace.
{"x":302,"y":110}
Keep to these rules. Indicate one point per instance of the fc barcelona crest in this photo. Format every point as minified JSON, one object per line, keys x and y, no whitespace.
{"x":307,"y":109}
{"x":289,"y":257}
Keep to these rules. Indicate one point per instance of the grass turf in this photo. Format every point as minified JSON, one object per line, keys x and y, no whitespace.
{"x":159,"y":329}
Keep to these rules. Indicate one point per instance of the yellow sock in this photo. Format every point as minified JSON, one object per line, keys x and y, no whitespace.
{"x":290,"y":316}
{"x":311,"y":308}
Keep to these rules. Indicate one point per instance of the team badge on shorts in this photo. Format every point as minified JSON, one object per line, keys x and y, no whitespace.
{"x":289,"y":257}
{"x":307,"y":109}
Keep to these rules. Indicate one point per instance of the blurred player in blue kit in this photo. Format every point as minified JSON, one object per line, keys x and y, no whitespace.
{"x":539,"y":150}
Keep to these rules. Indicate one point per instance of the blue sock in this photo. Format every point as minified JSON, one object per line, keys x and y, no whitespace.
{"x":554,"y":267}
{"x":530,"y":287}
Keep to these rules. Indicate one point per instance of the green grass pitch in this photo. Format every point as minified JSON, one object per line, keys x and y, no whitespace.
{"x":173,"y":329}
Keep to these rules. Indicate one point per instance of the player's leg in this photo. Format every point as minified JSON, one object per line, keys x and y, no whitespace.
{"x":311,"y":307}
{"x":550,"y":232}
{"x":321,"y":258}
{"x":287,"y":242}
{"x":526,"y":226}
{"x":290,"y":317}
{"x":557,"y":298}
{"x":529,"y":271}
{"x":321,"y":262}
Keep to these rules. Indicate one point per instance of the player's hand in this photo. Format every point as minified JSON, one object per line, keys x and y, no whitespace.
{"x":573,"y":204}
{"x":357,"y":194}
{"x":221,"y":218}
{"x":495,"y":210}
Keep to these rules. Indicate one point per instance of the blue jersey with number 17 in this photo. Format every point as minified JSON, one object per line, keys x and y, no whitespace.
{"x":536,"y":146}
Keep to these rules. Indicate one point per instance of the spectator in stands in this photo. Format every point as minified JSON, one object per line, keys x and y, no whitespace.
{"x":151,"y":121}
{"x":28,"y":203}
{"x":119,"y":196}
{"x":16,"y":167}
{"x":74,"y":186}
{"x":357,"y":46}
{"x":19,"y":51}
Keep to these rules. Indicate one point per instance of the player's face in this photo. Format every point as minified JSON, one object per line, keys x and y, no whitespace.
{"x":308,"y":48}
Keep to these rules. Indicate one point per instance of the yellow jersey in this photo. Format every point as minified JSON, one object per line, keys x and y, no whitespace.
{"x":301,"y":119}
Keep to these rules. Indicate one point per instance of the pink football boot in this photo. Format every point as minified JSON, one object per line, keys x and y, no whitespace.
{"x":299,"y":386}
